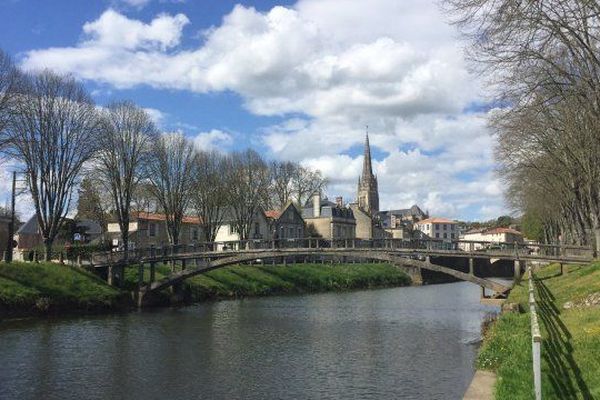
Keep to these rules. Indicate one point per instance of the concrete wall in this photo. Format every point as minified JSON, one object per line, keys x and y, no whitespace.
{"x":364,"y":223}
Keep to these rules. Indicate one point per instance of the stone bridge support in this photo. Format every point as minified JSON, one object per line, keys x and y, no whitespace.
{"x":415,"y":275}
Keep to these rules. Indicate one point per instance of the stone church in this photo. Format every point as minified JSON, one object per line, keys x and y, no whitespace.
{"x":366,"y":207}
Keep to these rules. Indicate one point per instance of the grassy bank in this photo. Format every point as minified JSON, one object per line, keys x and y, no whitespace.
{"x":29,"y":288}
{"x":571,"y":338}
{"x":243,"y":281}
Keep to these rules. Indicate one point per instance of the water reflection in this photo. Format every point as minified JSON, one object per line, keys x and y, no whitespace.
{"x":408,"y":343}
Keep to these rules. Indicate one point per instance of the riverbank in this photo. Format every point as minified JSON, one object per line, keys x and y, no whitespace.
{"x":44,"y":288}
{"x":569,"y":314}
{"x":39,"y":289}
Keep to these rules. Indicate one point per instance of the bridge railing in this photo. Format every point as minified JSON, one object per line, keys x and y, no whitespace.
{"x":422,"y":246}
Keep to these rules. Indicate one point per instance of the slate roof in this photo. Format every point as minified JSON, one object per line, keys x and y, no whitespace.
{"x":328,"y":209}
{"x":386,"y":216}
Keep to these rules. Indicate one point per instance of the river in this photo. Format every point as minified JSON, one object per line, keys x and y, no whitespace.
{"x":409,"y":343}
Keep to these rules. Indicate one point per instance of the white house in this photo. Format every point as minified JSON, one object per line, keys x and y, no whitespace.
{"x":495,"y":235}
{"x":260,"y":229}
{"x":438,"y":228}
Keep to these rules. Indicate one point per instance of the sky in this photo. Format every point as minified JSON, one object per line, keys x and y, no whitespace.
{"x":294,"y":80}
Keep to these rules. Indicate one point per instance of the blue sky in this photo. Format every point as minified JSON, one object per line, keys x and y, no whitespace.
{"x":293,"y":79}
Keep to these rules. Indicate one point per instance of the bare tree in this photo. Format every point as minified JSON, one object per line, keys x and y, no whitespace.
{"x":283,"y":174}
{"x":124,"y":148}
{"x":305,"y":183}
{"x":170,"y":173}
{"x":52,"y":133}
{"x":9,"y":78}
{"x":291,"y":181}
{"x":210,"y":197}
{"x":248,"y":175}
{"x":542,"y":61}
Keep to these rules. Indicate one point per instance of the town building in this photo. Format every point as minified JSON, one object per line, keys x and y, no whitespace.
{"x":495,"y":235}
{"x":261,"y":228}
{"x":366,"y":207}
{"x":400,"y":223}
{"x":150,"y":229}
{"x":438,"y":228}
{"x":368,"y":191}
{"x":286,"y":223}
{"x":329,"y":220}
{"x":367,"y":227}
{"x":28,"y":237}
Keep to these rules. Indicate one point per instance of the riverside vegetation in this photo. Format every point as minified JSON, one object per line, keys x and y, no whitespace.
{"x":32,"y":288}
{"x":570,"y":325}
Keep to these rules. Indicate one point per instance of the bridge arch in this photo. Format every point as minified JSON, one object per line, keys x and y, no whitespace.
{"x":411,"y":266}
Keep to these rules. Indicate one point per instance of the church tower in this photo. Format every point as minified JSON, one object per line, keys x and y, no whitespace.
{"x":368,"y":193}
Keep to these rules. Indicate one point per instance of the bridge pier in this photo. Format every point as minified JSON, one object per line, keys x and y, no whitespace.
{"x":415,"y":276}
{"x":110,"y":275}
{"x":471,"y":266}
{"x":517,"y":270}
{"x":141,"y":275}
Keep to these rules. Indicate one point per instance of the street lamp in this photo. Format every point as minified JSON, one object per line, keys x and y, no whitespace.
{"x":8,"y":254}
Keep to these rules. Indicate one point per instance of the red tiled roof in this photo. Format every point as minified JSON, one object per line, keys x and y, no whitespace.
{"x":162,"y":217}
{"x":435,"y":220}
{"x":273,"y":214}
{"x":501,"y":230}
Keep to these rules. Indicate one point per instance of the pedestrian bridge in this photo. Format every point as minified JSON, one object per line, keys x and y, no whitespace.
{"x":412,"y":256}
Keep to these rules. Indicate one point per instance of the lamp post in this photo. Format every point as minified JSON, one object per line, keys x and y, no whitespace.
{"x":8,"y":255}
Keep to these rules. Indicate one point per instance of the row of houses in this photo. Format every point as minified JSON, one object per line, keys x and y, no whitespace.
{"x":318,"y":217}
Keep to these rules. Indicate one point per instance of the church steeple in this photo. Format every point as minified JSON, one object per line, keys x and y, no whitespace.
{"x":367,"y":171}
{"x":368,"y":193}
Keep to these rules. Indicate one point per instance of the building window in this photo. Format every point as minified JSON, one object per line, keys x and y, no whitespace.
{"x":194,"y":233}
{"x":437,"y":235}
{"x":291,"y":232}
{"x":445,"y":227}
{"x":230,"y":229}
{"x":445,"y":235}
{"x":437,"y":227}
{"x":256,"y":228}
{"x":151,"y":229}
{"x":452,"y":236}
{"x":282,"y":232}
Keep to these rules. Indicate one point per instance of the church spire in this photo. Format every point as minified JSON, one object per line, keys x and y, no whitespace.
{"x":367,"y":171}
{"x":368,"y":194}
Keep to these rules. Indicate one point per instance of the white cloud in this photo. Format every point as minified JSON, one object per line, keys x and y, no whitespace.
{"x":157,"y":116}
{"x":336,"y":67}
{"x":136,"y":3}
{"x":213,"y":140}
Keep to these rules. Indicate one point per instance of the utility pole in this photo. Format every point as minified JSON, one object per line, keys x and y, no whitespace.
{"x":8,"y":256}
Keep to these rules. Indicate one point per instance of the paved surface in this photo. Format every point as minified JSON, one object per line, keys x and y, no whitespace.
{"x":482,"y":386}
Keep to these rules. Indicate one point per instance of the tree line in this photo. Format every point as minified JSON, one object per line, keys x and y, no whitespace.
{"x":542,"y":64}
{"x":51,"y":128}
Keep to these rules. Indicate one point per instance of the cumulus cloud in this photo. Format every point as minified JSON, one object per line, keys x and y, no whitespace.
{"x":329,"y":69}
{"x":213,"y":140}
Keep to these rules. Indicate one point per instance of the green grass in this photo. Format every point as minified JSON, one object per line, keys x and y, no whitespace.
{"x":241,"y":281}
{"x":570,"y":344}
{"x":39,"y":288}
{"x":32,"y":287}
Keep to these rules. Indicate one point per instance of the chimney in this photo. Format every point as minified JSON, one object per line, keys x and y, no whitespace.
{"x":339,"y":201}
{"x":317,"y":204}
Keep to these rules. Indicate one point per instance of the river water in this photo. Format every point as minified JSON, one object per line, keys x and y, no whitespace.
{"x":409,"y":343}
